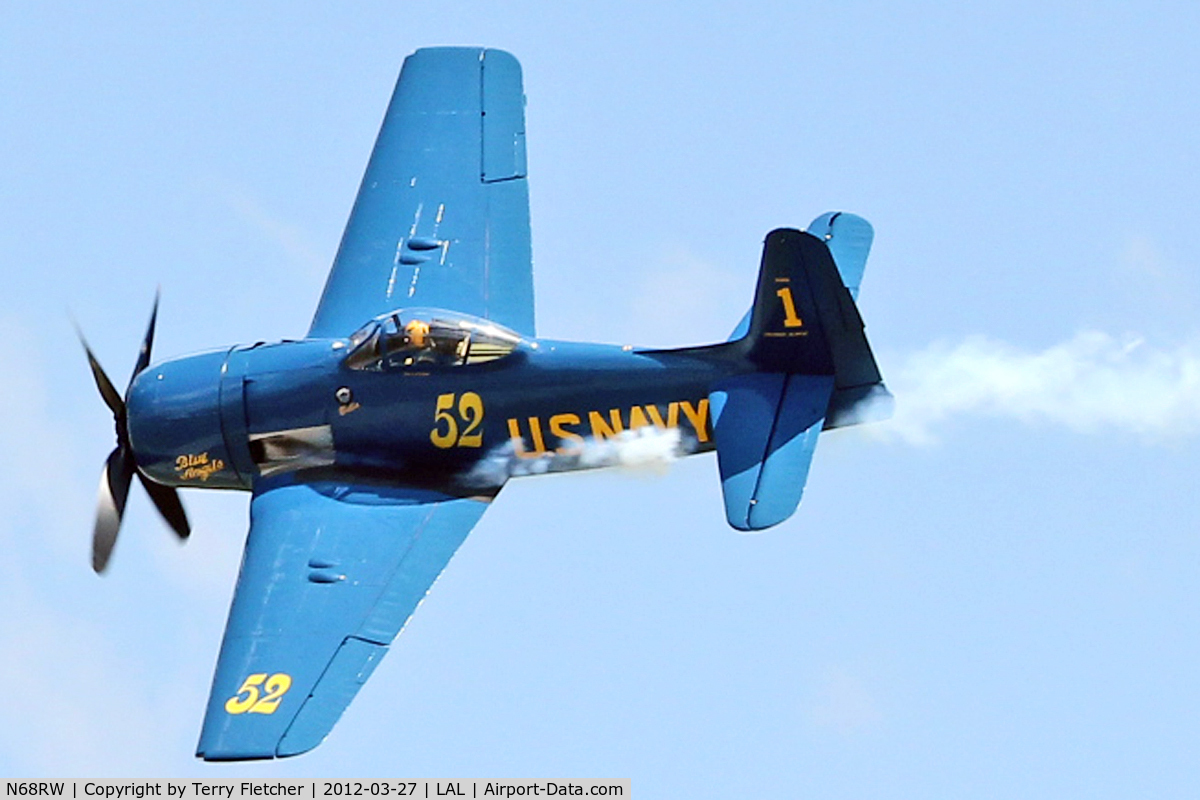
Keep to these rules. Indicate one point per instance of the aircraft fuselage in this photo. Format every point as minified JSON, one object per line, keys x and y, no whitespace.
{"x":224,"y":419}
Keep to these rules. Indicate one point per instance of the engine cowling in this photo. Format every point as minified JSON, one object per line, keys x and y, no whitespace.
{"x":177,"y":423}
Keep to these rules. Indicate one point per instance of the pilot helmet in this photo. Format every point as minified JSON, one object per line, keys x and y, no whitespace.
{"x":417,"y":332}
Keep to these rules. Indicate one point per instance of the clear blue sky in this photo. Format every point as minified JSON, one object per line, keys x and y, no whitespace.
{"x":994,"y":596}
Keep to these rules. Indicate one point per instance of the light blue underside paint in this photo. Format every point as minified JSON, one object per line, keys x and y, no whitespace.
{"x":743,"y":327}
{"x":442,"y":216}
{"x":766,"y":427}
{"x":389,"y":544}
{"x":849,"y":238}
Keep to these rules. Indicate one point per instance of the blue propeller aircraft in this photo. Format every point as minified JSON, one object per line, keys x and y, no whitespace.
{"x":372,"y":446}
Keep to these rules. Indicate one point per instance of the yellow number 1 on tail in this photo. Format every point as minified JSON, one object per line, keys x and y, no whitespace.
{"x":790,"y":318}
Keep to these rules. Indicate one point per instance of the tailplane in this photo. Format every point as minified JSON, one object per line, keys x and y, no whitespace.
{"x":812,"y":369}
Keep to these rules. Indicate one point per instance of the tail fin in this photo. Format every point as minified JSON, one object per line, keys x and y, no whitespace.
{"x":849,"y":238}
{"x":814,"y":370}
{"x":804,"y":322}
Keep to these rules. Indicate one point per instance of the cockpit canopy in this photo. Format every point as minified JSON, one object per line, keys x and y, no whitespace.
{"x":416,"y":337}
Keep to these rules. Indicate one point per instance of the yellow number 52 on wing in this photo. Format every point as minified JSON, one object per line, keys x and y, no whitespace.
{"x":249,"y":699}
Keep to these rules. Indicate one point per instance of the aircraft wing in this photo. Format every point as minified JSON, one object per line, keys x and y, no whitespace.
{"x":442,"y":216}
{"x":330,"y":575}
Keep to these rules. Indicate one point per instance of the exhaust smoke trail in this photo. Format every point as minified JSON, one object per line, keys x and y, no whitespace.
{"x":647,"y":448}
{"x":1089,"y":383}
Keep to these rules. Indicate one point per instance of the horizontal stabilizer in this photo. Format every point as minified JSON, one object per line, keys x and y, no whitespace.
{"x":848,"y":237}
{"x":766,"y":427}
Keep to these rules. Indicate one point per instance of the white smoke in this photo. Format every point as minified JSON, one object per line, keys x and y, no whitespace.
{"x":647,"y":448}
{"x":1092,"y":382}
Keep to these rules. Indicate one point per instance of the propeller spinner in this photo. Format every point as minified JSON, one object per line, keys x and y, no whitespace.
{"x":120,"y":467}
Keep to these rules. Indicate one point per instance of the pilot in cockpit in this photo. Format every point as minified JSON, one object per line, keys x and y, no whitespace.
{"x":417,"y":332}
{"x":425,"y":347}
{"x":393,"y":341}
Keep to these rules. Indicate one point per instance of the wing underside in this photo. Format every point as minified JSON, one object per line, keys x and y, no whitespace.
{"x":442,"y":216}
{"x":331,"y":573}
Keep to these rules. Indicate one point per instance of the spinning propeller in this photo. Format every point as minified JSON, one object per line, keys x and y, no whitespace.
{"x":121,"y":467}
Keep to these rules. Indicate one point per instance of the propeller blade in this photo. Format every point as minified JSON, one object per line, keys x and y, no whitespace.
{"x":143,"y":359}
{"x":166,"y":500}
{"x":121,"y":466}
{"x":111,"y":398}
{"x":110,"y":505}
